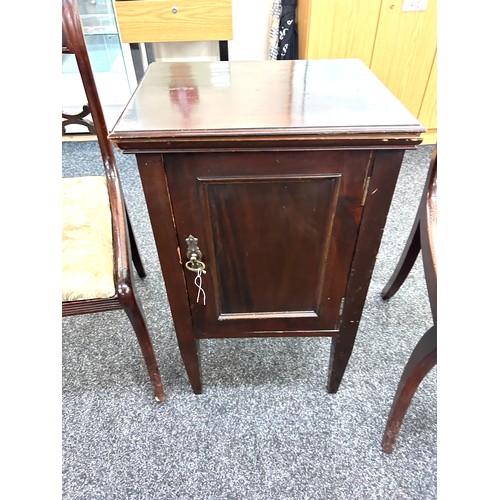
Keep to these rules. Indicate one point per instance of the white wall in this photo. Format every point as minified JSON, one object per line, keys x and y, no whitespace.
{"x":251,"y":21}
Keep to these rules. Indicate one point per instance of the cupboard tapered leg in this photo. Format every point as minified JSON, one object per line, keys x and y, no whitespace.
{"x":157,"y":194}
{"x":340,"y":353}
{"x":189,"y":354}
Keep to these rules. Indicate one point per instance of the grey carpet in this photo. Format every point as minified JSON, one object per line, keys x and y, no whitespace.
{"x":265,"y":428}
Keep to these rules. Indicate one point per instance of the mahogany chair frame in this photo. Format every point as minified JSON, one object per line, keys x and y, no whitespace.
{"x":424,"y":356}
{"x":124,"y":243}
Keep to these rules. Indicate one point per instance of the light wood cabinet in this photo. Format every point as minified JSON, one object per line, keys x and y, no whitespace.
{"x":428,"y":110}
{"x":400,"y":47}
{"x":177,"y":21}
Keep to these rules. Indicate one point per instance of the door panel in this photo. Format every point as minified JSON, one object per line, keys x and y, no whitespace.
{"x":271,"y":227}
{"x":289,"y":215}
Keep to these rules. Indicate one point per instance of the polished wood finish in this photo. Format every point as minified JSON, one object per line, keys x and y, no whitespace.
{"x":78,"y":119}
{"x":182,"y":20}
{"x":241,"y":100}
{"x":305,"y":225}
{"x":157,"y":194}
{"x":124,"y":244}
{"x":424,"y":356}
{"x":284,"y":172}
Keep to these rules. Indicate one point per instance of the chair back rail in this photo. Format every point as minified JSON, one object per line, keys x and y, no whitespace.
{"x":74,"y":41}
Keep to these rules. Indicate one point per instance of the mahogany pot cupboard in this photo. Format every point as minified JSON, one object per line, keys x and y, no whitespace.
{"x":268,"y":186}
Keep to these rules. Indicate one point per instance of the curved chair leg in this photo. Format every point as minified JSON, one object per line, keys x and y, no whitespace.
{"x":134,"y":311}
{"x":422,"y":360}
{"x":406,"y":262}
{"x":136,"y":256}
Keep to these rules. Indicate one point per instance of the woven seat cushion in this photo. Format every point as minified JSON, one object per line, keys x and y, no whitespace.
{"x":87,"y":246}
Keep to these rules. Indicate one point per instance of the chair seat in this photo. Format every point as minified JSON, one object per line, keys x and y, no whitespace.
{"x":87,"y":246}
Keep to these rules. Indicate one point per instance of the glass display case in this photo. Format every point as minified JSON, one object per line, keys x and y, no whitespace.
{"x":111,"y":63}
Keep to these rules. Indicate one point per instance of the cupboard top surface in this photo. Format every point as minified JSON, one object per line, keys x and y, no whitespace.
{"x":262,"y":98}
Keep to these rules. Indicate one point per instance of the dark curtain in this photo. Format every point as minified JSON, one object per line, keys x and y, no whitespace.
{"x":288,"y":47}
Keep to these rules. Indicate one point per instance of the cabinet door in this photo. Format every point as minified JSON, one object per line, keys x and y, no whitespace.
{"x":277,"y":231}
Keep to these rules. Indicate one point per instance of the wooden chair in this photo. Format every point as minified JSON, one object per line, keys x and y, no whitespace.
{"x":98,"y":241}
{"x":424,"y":356}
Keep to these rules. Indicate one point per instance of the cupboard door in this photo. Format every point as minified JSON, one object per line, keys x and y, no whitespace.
{"x":277,"y":231}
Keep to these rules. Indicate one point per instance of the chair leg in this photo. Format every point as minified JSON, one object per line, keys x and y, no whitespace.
{"x":421,"y":361}
{"x":136,"y":256}
{"x":405,"y":264}
{"x":135,"y":313}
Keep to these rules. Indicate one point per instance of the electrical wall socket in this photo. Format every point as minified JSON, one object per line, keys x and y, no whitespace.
{"x":409,"y":5}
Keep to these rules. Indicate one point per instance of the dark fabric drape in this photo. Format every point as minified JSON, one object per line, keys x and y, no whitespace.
{"x":274,"y":32}
{"x":288,"y":47}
